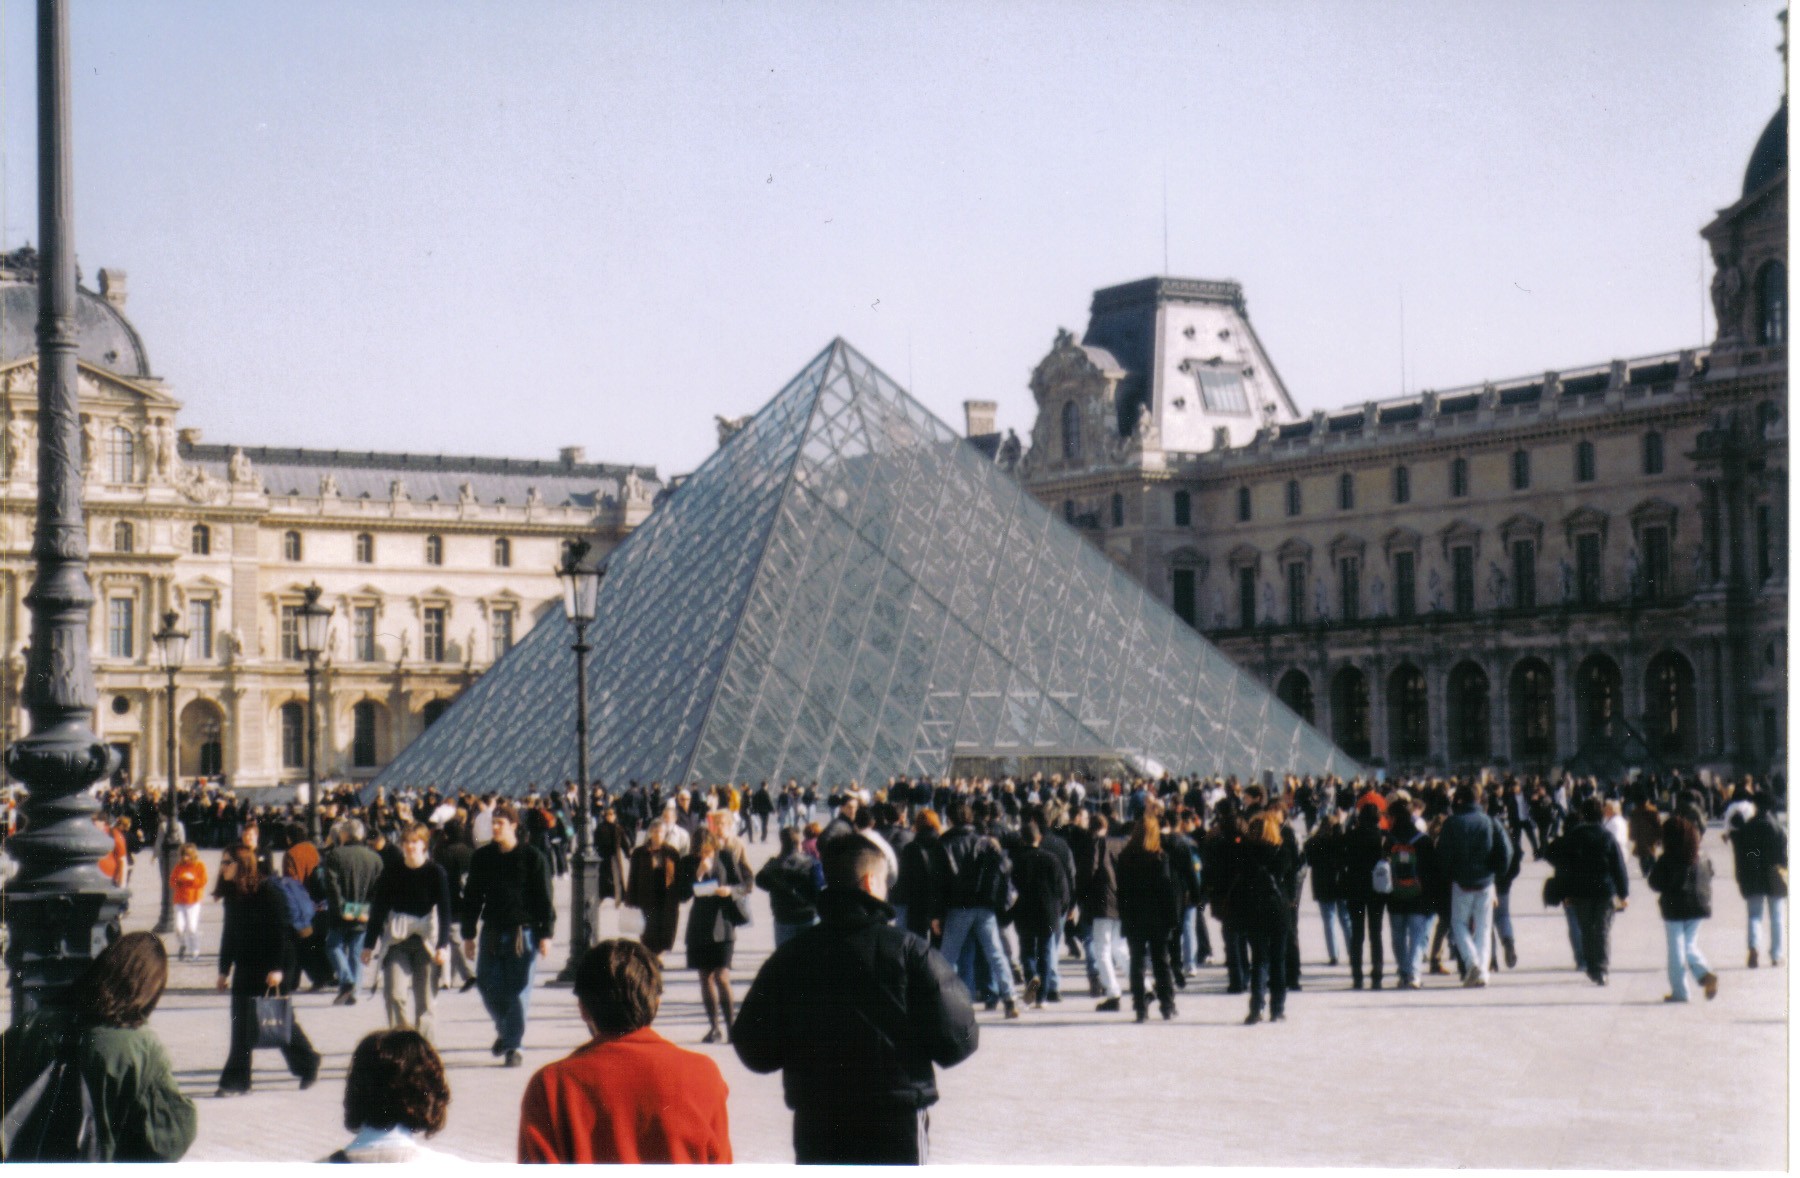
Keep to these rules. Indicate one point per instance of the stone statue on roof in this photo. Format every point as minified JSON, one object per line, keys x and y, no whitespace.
{"x":533,"y":497}
{"x":634,"y":488}
{"x":397,"y":490}
{"x":465,"y":494}
{"x":242,"y":473}
{"x":328,"y":485}
{"x":728,"y":427}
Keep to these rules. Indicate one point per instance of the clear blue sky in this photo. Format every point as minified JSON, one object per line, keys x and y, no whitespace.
{"x":501,"y":228}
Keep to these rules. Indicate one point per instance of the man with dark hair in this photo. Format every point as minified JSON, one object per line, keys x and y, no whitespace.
{"x":508,"y":896}
{"x":1591,"y":865}
{"x":1472,"y":849}
{"x":627,"y":1095}
{"x":854,"y":1012}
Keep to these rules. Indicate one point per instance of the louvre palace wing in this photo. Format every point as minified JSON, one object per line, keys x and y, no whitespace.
{"x":847,"y":590}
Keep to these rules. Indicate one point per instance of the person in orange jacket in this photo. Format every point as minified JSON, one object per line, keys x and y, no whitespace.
{"x":188,"y":883}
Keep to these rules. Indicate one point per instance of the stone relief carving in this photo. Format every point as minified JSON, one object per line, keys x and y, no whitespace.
{"x":21,"y":447}
{"x":90,"y":448}
{"x":242,"y":473}
{"x":465,"y":495}
{"x":156,"y":452}
{"x":198,"y":485}
{"x":397,"y":491}
{"x":328,"y":486}
{"x":1497,"y":582}
{"x":1727,"y":296}
{"x":1434,"y":585}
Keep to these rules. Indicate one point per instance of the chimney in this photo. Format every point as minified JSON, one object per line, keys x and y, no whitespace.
{"x":979,"y":417}
{"x":572,"y":455}
{"x":112,"y":287}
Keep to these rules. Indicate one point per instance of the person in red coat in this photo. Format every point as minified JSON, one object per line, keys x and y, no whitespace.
{"x":628,"y":1094}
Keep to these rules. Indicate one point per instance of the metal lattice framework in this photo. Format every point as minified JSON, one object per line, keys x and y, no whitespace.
{"x":847,"y":590}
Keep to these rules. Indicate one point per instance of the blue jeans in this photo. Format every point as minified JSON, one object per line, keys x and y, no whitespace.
{"x":1190,"y":938}
{"x":504,"y":977}
{"x":1575,"y":936}
{"x":1776,"y":907}
{"x":1503,"y":917}
{"x":1336,"y":915}
{"x":1471,"y":925}
{"x":785,"y":932}
{"x":343,"y":945}
{"x":1037,"y":958}
{"x":1412,"y":933}
{"x":968,"y":931}
{"x":1684,"y":956}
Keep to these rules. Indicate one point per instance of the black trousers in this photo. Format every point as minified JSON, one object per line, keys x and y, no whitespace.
{"x":1237,"y":955}
{"x":1268,"y":964}
{"x":1155,"y":947}
{"x":1595,"y":918}
{"x":1366,"y":914}
{"x":887,"y":1136}
{"x":302,"y":1059}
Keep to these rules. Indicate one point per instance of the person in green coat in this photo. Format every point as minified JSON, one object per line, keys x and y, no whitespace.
{"x":139,"y":1113}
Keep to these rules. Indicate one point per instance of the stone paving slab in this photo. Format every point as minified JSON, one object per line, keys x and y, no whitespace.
{"x":1540,"y":1070}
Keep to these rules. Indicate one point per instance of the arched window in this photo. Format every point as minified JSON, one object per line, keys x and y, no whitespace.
{"x":1402,"y":485}
{"x":365,"y":548}
{"x":1669,"y":706}
{"x":1459,"y":478}
{"x":1118,"y":510}
{"x":1293,"y":497}
{"x":1295,"y":690}
{"x":1584,"y":462}
{"x":290,"y":546}
{"x":1653,"y":453}
{"x":1071,"y":430}
{"x":1533,"y":713}
{"x":1346,"y":492}
{"x":1184,"y":510}
{"x":362,"y":738}
{"x":200,"y":542}
{"x":434,"y":550}
{"x":1467,"y":711}
{"x":1243,"y":498}
{"x":1771,"y":304}
{"x":121,"y":455}
{"x":503,"y":553}
{"x":293,"y":735}
{"x":1350,"y":711}
{"x":1598,"y":701}
{"x":123,"y":537}
{"x":1409,"y":733}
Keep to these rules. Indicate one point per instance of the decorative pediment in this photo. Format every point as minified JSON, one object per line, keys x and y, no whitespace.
{"x":1402,"y":540}
{"x":1346,"y":545}
{"x":1244,"y":556}
{"x":1653,"y":513}
{"x":93,"y":386}
{"x":1585,"y":520}
{"x":1461,"y":534}
{"x":1522,"y":527}
{"x":1294,"y":550}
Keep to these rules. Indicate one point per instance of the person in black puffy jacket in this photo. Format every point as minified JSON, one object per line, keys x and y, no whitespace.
{"x":1149,"y":910}
{"x":855,"y":1013}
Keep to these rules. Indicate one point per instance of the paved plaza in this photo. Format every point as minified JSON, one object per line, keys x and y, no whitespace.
{"x":1541,"y":1070}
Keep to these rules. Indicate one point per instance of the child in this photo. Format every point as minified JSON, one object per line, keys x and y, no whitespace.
{"x":188,"y":882}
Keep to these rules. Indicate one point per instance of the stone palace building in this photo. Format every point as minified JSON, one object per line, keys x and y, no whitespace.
{"x":433,"y":566}
{"x":1584,"y":567}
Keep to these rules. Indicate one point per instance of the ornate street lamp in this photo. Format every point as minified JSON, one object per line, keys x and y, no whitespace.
{"x":58,"y":906}
{"x":581,"y":596}
{"x":314,"y":620}
{"x":170,"y":645}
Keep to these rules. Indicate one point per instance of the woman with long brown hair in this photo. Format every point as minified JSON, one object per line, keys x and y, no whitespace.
{"x":651,"y":890}
{"x":257,"y":957}
{"x":1682,"y":878}
{"x":1149,"y":910}
{"x":716,"y":877}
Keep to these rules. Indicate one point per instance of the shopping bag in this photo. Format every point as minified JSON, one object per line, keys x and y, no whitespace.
{"x":274,"y":1021}
{"x":631,"y":922}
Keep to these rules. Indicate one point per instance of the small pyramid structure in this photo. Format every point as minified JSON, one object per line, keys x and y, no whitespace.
{"x":847,"y":590}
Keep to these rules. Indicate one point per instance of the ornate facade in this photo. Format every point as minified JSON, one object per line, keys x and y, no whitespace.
{"x":434,"y":566}
{"x":1584,"y":567}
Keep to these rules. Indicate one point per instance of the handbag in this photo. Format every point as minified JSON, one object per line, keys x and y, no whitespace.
{"x":1553,"y":892}
{"x":737,"y":910}
{"x":631,"y":922}
{"x":274,"y":1021}
{"x":46,"y":1123}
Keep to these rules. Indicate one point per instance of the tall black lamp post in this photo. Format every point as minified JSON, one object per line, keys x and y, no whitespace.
{"x":170,"y":644}
{"x":314,"y":620}
{"x":581,"y":595}
{"x":58,"y":906}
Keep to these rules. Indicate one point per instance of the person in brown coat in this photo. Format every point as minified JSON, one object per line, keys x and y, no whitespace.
{"x":651,"y":890}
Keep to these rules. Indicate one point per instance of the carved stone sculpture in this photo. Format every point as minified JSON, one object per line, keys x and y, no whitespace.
{"x":21,"y":447}
{"x":239,"y":468}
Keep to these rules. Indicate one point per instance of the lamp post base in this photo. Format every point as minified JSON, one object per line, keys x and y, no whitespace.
{"x":584,"y":911}
{"x":170,"y":852}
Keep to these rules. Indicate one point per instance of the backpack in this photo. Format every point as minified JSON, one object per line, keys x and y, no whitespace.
{"x":52,"y":1120}
{"x":1381,"y":880}
{"x":992,"y":884}
{"x":1403,"y":864}
{"x":300,"y":909}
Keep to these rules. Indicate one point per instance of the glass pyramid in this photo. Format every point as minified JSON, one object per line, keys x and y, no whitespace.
{"x":847,"y":590}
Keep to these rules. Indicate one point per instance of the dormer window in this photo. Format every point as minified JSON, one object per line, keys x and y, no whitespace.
{"x":1071,"y":431}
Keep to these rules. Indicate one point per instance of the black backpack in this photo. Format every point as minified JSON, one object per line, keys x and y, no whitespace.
{"x":52,"y":1120}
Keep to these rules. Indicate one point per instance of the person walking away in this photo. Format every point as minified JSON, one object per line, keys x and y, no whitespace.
{"x":1591,"y":868}
{"x":1099,"y":901}
{"x":507,"y":899}
{"x":716,"y":878}
{"x":979,"y":877}
{"x":187,"y":883}
{"x":1646,"y":827}
{"x":1149,"y":911}
{"x":1409,"y":902}
{"x":855,"y":1013}
{"x":627,"y":1095}
{"x":921,"y":892}
{"x":1472,"y":850}
{"x":410,"y":921}
{"x":793,"y":880}
{"x":1324,"y":854}
{"x":1503,"y":925}
{"x":395,"y":1094}
{"x":1682,"y":878}
{"x":1260,"y":907}
{"x":453,"y":853}
{"x":1759,"y":853}
{"x":257,"y":957}
{"x":1218,"y":859}
{"x":139,"y":1112}
{"x":1367,"y":882}
{"x":1044,"y":891}
{"x":1189,"y":945}
{"x":612,"y":852}
{"x":350,"y":871}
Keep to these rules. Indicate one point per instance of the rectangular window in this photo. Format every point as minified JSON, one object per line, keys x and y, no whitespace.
{"x":1587,"y":569}
{"x":1222,"y":392}
{"x":1350,"y":588}
{"x":121,"y":627}
{"x":434,"y":634}
{"x":503,"y":618}
{"x":1247,"y":598}
{"x":362,"y":633}
{"x":1524,"y":560}
{"x":1118,"y":511}
{"x":1653,"y":453}
{"x":1406,"y":602}
{"x":1346,"y":492}
{"x":1521,"y":469}
{"x":1459,"y":478}
{"x":1462,"y":579}
{"x":1243,"y":497}
{"x":1402,"y":485}
{"x":1181,"y":598}
{"x":200,"y":630}
{"x":1765,"y":543}
{"x":290,"y":632}
{"x":1296,"y":593}
{"x":1293,"y":497}
{"x":1656,"y":563}
{"x":1184,"y":510}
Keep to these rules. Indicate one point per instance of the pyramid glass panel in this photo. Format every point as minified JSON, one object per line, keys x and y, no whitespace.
{"x":847,"y":590}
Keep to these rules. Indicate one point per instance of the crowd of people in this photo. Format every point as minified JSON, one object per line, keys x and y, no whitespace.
{"x":980,"y":893}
